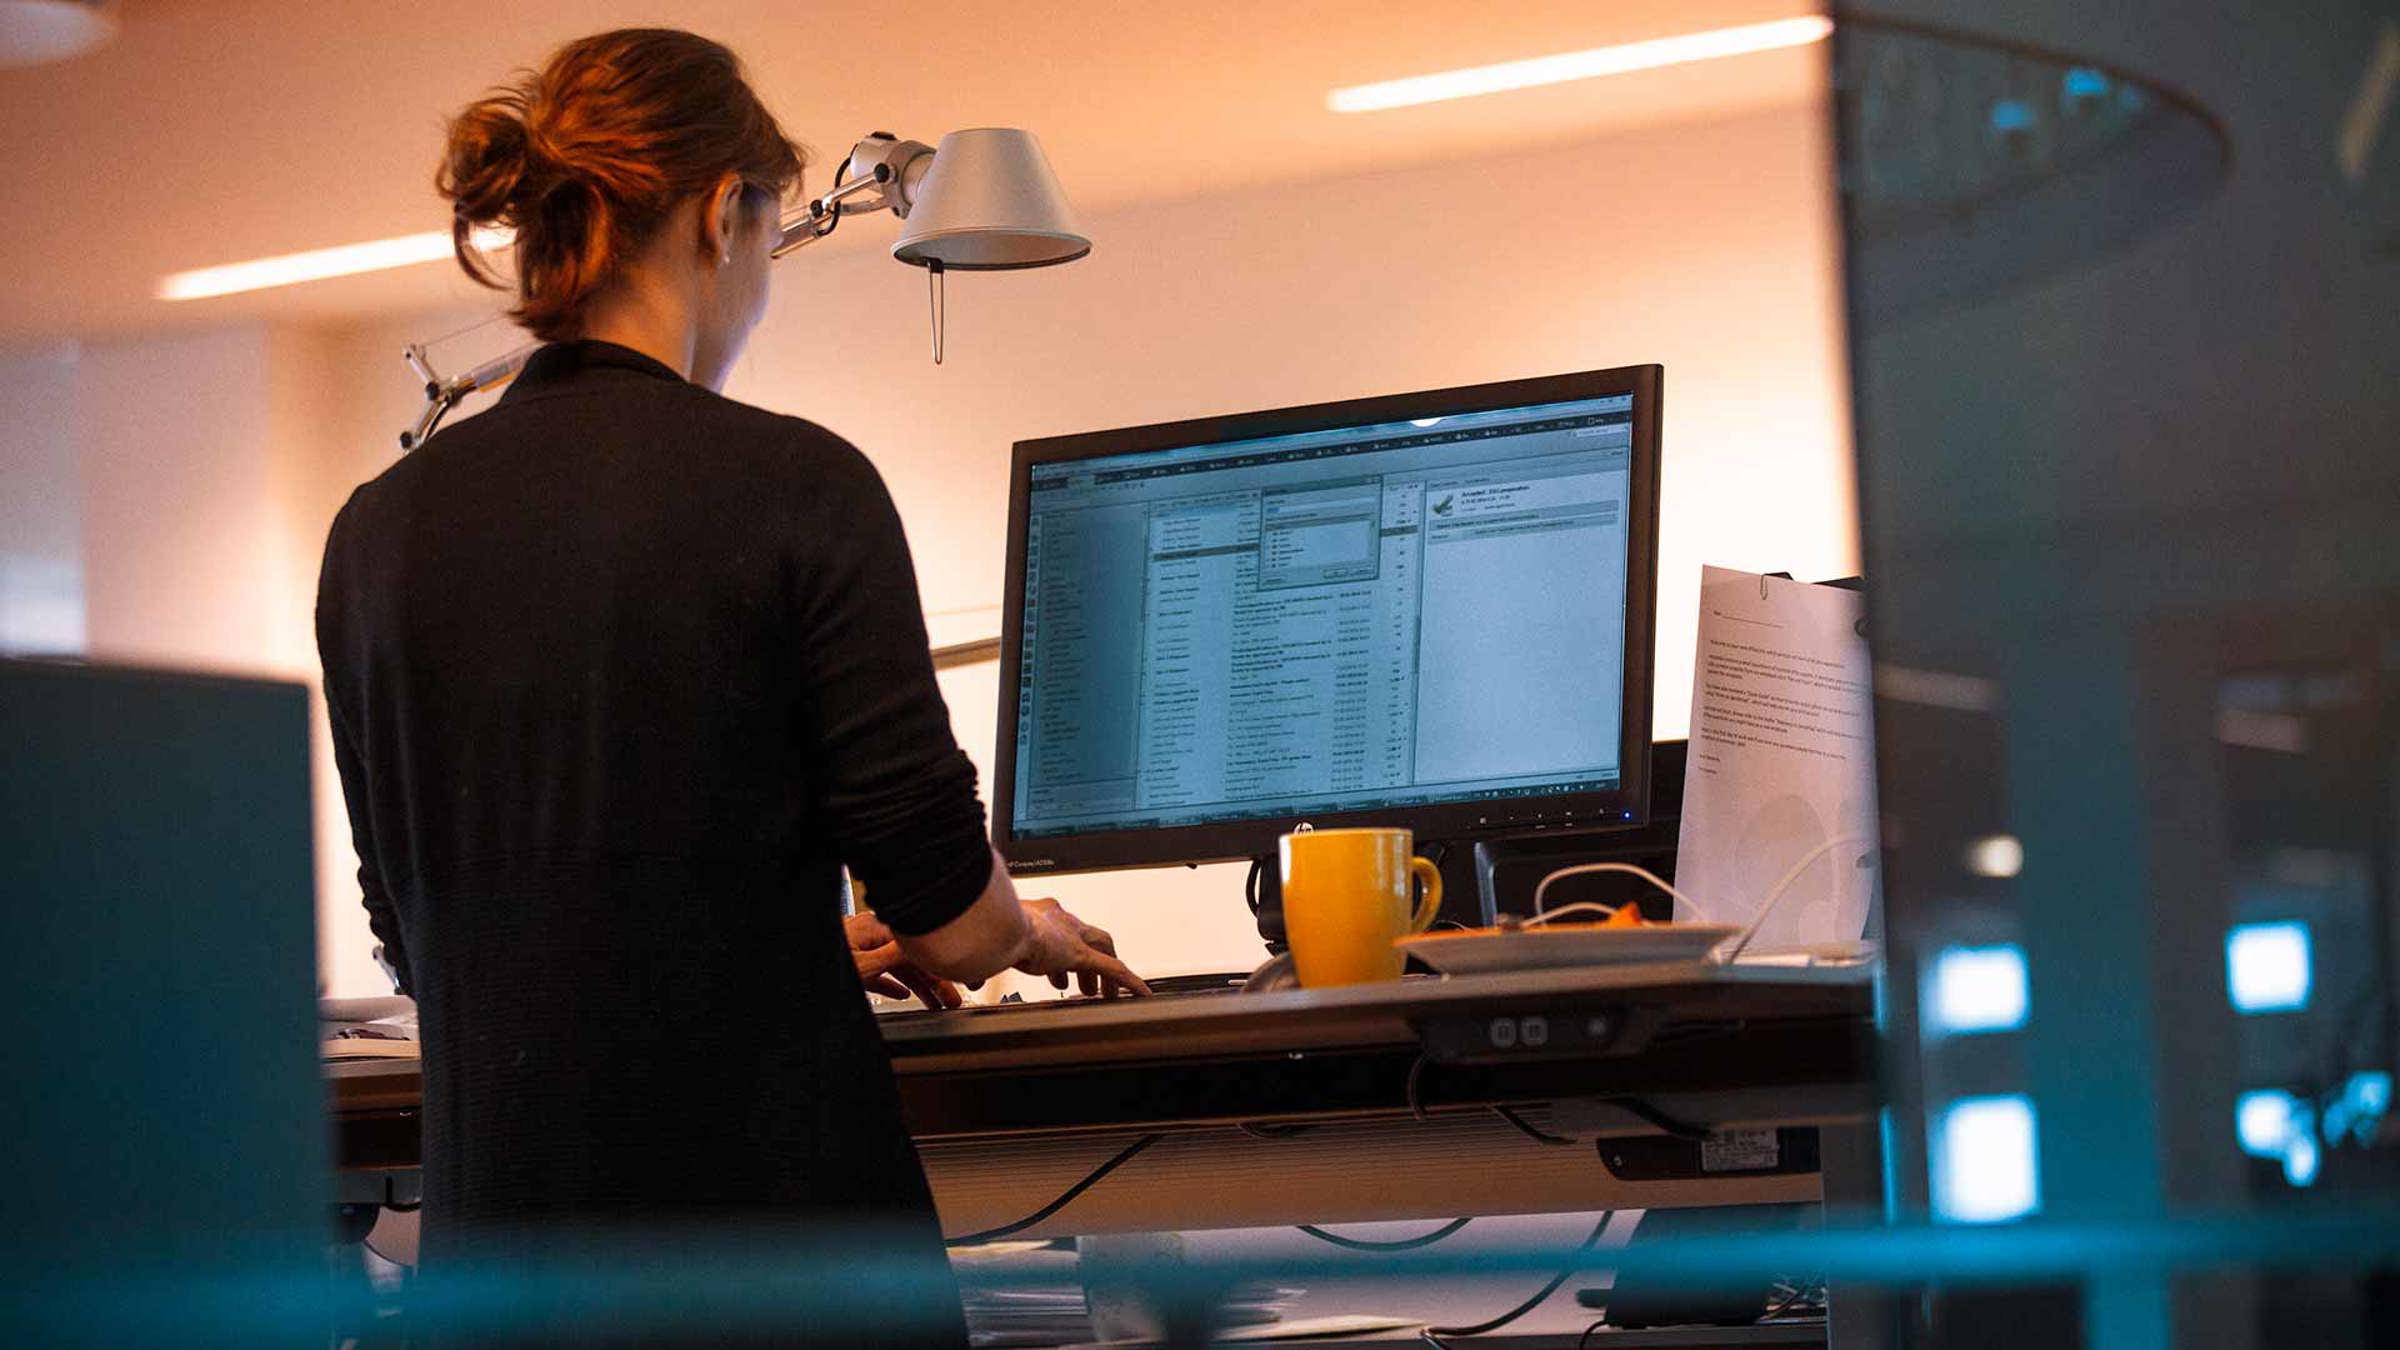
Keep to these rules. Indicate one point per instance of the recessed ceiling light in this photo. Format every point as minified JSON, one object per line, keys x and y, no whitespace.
{"x":1582,"y":65}
{"x":33,"y":32}
{"x":290,"y":269}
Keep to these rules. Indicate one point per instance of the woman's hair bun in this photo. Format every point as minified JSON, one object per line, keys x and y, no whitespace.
{"x":586,"y":158}
{"x":488,"y":161}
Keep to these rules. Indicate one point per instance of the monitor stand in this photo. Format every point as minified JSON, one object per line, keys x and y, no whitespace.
{"x":1466,"y":897}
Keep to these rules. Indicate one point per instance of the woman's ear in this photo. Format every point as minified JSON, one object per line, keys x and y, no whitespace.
{"x":720,"y":218}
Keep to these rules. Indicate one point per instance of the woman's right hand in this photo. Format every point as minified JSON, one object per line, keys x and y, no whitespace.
{"x":1063,"y":945}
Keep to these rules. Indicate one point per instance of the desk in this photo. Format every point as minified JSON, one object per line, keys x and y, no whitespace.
{"x":1010,"y":1107}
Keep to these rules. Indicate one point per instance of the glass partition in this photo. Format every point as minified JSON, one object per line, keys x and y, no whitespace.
{"x":2125,"y":332}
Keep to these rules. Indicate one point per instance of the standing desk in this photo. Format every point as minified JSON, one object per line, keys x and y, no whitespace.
{"x":1359,"y":1103}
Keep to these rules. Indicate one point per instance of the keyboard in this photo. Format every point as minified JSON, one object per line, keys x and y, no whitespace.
{"x":1168,"y":987}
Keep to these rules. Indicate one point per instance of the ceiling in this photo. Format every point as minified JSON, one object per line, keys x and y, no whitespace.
{"x":218,"y":130}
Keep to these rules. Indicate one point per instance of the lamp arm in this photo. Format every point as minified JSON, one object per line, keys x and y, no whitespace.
{"x":806,"y":227}
{"x":442,"y":395}
{"x":882,"y":172}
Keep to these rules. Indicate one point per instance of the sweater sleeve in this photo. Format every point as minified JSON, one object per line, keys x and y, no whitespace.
{"x":896,"y":793}
{"x":349,"y":760}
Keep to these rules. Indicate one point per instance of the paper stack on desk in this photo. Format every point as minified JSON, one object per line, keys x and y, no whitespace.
{"x":1782,"y":762}
{"x":1043,"y":1305}
{"x":367,"y":1028}
{"x":1021,"y":1313}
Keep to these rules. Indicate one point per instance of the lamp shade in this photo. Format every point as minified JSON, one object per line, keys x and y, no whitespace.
{"x":990,"y":203}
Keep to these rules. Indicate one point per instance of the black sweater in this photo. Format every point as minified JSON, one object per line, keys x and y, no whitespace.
{"x":620,"y":672}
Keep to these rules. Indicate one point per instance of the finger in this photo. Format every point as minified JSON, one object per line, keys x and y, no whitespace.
{"x":865,"y":930}
{"x":1118,"y":971}
{"x":1059,"y":980}
{"x":936,"y":991}
{"x":876,"y":960}
{"x":1099,"y":940}
{"x":1088,"y":982}
{"x":886,"y":986}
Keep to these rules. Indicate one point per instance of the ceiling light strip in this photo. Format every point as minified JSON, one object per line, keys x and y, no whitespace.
{"x":290,"y":269}
{"x":1583,"y":65}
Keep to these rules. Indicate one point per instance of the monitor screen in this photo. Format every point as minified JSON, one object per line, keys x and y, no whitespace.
{"x":1369,"y":617}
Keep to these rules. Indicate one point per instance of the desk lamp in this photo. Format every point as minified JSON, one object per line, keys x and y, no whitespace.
{"x":985,"y":201}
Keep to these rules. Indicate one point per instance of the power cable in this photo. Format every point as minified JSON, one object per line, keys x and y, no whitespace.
{"x":1065,"y":1198}
{"x":1532,"y":1131}
{"x":1433,"y":1335}
{"x":1395,"y":1245}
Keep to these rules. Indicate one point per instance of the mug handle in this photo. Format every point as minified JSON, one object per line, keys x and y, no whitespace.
{"x":1430,"y":903}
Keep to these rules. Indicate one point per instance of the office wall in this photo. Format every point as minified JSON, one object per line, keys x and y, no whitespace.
{"x":162,"y":502}
{"x":1708,"y":247}
{"x":41,"y":532}
{"x":189,"y":557}
{"x":207,"y":464}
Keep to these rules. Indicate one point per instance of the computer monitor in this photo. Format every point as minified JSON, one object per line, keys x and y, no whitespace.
{"x":1429,"y":609}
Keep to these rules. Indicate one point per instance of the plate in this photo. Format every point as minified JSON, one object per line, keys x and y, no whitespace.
{"x":1485,"y":951}
{"x":364,"y":1009}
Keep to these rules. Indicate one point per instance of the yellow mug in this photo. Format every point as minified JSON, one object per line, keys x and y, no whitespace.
{"x":1346,"y":901}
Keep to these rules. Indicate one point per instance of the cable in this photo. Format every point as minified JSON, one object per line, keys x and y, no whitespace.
{"x":1433,"y":1335}
{"x":1065,"y":1198}
{"x":1726,"y":953}
{"x":1532,"y":1131}
{"x":1583,"y":1342}
{"x":1699,"y":1031}
{"x":1272,"y":1131}
{"x":392,"y":1203}
{"x":1651,"y":1115}
{"x":1542,"y":887}
{"x":1396,"y":1245}
{"x":1416,"y":1072}
{"x":1579,"y":907}
{"x":1790,"y":1302}
{"x":462,"y":332}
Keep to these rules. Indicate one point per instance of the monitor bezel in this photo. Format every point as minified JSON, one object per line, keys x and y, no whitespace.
{"x":1627,"y":805}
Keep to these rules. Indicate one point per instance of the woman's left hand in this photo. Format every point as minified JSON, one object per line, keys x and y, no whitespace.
{"x":884,"y":969}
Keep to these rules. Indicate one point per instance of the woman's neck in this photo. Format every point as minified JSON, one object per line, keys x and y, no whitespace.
{"x":651,"y":320}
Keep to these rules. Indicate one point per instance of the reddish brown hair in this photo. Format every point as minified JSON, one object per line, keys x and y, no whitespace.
{"x":587,"y":157}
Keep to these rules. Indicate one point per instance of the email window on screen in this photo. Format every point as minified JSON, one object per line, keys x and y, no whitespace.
{"x":1343,"y":620}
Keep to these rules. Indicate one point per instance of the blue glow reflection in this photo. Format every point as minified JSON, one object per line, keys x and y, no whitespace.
{"x":2268,"y":967}
{"x":1985,"y":1165}
{"x":1977,"y":989}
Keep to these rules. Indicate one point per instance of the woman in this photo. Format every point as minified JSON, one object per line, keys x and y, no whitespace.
{"x":622,"y":673}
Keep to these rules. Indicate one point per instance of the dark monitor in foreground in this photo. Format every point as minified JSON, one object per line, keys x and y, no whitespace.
{"x":1430,"y":610}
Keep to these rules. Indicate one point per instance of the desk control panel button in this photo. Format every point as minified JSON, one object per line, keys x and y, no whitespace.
{"x":1468,"y":1037}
